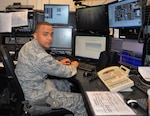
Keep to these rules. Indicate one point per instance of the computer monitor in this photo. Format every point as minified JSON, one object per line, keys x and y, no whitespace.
{"x":89,"y":47}
{"x":131,"y":52}
{"x":125,"y":14}
{"x":56,"y":14}
{"x":62,"y":38}
{"x":92,"y":19}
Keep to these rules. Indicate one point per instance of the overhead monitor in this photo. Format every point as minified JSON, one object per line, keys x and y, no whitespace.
{"x":93,"y":19}
{"x":125,"y":14}
{"x":62,"y":38}
{"x":56,"y":14}
{"x":89,"y":47}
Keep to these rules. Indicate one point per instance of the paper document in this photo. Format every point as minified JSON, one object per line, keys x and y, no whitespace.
{"x":13,"y":19}
{"x":108,"y":103}
{"x":20,"y":18}
{"x":144,"y":72}
{"x":116,"y":33}
{"x":5,"y":22}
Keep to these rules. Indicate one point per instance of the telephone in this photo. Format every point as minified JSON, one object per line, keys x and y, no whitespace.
{"x":116,"y":78}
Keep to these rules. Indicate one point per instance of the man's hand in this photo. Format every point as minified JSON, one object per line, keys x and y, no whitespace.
{"x":75,"y":63}
{"x":67,"y":61}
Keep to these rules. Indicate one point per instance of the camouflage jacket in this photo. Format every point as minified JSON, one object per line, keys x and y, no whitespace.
{"x":33,"y":66}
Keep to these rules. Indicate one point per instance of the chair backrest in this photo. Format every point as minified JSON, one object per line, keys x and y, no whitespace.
{"x":107,"y":58}
{"x":103,"y":60}
{"x":10,"y":67}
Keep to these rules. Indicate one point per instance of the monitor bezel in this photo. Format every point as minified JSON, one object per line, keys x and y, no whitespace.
{"x":140,"y":55}
{"x":83,"y":58}
{"x":125,"y":24}
{"x":103,"y":30}
{"x":56,"y":49}
{"x":59,"y":23}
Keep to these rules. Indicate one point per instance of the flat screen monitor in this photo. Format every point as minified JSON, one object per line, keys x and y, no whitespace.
{"x":125,"y":14}
{"x":62,"y":38}
{"x":131,"y":53}
{"x":92,"y":19}
{"x":89,"y":47}
{"x":56,"y":14}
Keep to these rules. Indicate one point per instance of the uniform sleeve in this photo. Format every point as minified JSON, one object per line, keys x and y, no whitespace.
{"x":46,"y":63}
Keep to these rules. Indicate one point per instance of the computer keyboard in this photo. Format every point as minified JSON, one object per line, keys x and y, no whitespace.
{"x":139,"y":84}
{"x":85,"y":66}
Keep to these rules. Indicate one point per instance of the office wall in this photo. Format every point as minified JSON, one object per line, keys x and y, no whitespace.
{"x":38,"y":4}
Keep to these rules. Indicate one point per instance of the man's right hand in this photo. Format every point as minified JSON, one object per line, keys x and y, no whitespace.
{"x":74,"y":63}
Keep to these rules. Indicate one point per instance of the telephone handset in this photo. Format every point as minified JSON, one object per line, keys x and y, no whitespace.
{"x":116,"y":78}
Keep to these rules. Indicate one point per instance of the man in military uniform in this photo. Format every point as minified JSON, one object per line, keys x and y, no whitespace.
{"x":33,"y":66}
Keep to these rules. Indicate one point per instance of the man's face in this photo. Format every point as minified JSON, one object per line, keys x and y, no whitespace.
{"x":44,"y":35}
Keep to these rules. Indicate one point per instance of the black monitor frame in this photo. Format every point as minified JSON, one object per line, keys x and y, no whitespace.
{"x":93,"y":19}
{"x":91,"y":41}
{"x":131,"y":52}
{"x":125,"y":14}
{"x":62,"y":38}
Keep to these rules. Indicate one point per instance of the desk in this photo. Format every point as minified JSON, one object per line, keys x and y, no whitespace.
{"x":97,"y":85}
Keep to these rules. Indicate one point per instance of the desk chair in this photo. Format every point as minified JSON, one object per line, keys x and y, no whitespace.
{"x":107,"y":58}
{"x":20,"y":104}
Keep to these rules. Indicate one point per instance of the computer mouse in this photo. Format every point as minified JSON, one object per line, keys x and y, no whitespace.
{"x":87,"y":74}
{"x":132,"y":103}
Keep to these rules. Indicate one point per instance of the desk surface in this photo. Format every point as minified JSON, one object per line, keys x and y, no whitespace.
{"x":97,"y":85}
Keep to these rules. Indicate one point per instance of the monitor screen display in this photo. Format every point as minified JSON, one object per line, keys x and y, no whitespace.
{"x":131,"y":52}
{"x":89,"y":46}
{"x":92,"y":19}
{"x":62,"y":38}
{"x":125,"y":14}
{"x":56,"y":14}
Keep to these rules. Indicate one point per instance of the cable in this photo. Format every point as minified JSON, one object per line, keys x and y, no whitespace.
{"x":147,"y":58}
{"x":147,"y":25}
{"x":140,"y":40}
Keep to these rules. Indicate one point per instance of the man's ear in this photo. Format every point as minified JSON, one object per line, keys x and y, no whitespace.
{"x":35,"y":35}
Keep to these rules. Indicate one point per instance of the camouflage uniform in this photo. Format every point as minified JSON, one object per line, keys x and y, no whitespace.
{"x":32,"y":68}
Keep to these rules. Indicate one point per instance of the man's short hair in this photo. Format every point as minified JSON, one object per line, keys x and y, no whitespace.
{"x":41,"y":23}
